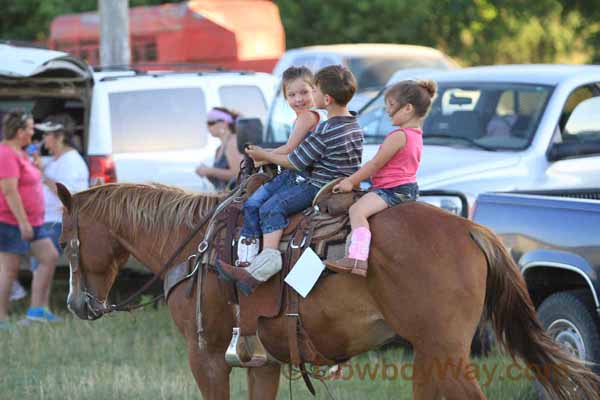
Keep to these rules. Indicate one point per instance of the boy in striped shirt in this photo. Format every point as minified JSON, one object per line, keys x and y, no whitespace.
{"x":333,"y":150}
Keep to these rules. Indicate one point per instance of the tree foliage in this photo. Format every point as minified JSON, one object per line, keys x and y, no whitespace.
{"x":472,"y":31}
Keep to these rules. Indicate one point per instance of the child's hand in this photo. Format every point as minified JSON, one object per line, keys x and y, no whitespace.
{"x":203,"y":170}
{"x":344,"y":186}
{"x":257,"y":153}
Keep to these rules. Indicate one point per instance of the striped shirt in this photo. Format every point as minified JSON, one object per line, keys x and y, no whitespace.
{"x":333,"y":150}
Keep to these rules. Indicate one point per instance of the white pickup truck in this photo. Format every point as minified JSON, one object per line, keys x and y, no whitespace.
{"x":505,"y":128}
{"x":498,"y":128}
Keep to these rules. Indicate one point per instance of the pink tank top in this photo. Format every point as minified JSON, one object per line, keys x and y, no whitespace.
{"x":402,"y":167}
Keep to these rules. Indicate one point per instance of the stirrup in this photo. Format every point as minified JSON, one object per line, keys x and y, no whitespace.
{"x":246,"y":351}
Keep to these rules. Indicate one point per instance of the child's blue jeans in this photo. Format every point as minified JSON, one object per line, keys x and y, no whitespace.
{"x":267,"y":209}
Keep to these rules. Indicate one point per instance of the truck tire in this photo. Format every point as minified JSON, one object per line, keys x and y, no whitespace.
{"x":571,"y":320}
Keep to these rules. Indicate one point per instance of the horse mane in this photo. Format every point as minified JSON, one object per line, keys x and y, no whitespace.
{"x":154,"y":208}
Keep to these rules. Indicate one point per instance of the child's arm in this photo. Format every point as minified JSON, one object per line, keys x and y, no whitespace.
{"x":269,"y":157}
{"x":391,"y":145}
{"x":306,"y":121}
{"x":224,"y":174}
{"x":306,"y":154}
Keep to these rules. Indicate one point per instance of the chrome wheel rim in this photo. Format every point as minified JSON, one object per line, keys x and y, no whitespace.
{"x":568,"y":336}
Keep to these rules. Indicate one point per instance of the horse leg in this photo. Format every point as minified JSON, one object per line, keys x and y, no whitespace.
{"x":456,"y":376}
{"x":211,"y":373}
{"x":206,"y":354}
{"x":425,"y":386}
{"x":263,"y":382}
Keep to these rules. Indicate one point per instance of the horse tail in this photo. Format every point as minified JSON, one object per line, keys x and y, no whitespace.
{"x":508,"y":305}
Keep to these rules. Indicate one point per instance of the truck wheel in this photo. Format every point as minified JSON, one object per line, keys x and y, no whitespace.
{"x":570,"y":319}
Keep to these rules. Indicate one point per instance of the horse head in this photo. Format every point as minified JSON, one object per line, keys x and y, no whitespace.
{"x":95,"y":258}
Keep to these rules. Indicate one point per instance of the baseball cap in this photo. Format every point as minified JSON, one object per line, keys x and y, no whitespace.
{"x":49,"y":126}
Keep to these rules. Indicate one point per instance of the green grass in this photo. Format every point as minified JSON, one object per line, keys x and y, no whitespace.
{"x":141,"y":355}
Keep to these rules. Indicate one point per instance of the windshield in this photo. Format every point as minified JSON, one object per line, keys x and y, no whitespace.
{"x":374,"y":72}
{"x":491,"y":116}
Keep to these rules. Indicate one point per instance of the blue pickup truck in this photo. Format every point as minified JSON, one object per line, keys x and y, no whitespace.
{"x":555,"y":238}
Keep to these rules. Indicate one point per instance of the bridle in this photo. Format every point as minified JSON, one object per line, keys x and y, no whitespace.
{"x":98,"y":307}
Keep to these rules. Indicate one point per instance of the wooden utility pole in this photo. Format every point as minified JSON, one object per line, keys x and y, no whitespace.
{"x":114,"y":32}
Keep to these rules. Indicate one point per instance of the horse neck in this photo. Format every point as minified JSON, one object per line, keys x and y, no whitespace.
{"x":154,"y":249}
{"x":144,"y":248}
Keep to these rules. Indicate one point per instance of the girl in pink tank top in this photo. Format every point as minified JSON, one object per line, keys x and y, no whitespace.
{"x":393,"y":170}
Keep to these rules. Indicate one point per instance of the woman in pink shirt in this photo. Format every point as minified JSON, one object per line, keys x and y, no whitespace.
{"x":393,"y":170}
{"x":22,"y":217}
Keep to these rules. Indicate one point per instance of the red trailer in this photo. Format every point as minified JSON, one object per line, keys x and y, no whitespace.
{"x":236,"y":34}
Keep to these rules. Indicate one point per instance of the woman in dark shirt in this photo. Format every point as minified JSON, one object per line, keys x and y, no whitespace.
{"x":225,"y":169}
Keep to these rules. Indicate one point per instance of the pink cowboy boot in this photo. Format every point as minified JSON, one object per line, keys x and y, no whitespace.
{"x":358,"y":253}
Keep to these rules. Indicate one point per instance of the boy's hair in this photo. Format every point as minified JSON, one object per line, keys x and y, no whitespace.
{"x":13,"y":121}
{"x":338,"y":82}
{"x":417,"y":93}
{"x":293,"y":73}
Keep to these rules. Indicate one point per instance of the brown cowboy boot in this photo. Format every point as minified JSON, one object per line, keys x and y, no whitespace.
{"x":246,"y":282}
{"x":348,"y":265}
{"x":264,"y":266}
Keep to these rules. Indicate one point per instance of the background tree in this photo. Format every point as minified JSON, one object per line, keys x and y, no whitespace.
{"x":472,"y":31}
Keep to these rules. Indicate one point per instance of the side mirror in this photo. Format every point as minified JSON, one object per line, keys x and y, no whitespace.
{"x":449,"y":200}
{"x":560,"y":151}
{"x":248,"y":131}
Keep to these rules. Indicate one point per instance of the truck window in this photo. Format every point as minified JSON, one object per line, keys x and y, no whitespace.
{"x":577,"y":96}
{"x":158,"y":120}
{"x":495,"y":115}
{"x":246,"y":99}
{"x":583,"y":126}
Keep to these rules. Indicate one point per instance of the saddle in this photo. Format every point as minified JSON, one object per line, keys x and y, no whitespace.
{"x":324,"y":227}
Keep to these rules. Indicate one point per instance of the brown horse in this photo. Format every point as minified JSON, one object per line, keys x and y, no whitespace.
{"x":432,"y":278}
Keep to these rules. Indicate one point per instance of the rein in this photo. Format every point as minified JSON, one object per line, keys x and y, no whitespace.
{"x":72,"y":251}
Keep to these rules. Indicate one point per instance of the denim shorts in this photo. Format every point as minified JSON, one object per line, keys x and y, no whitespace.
{"x":52,"y":231}
{"x":11,"y":242}
{"x":399,"y":194}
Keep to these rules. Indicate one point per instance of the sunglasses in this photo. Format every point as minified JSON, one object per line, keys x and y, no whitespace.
{"x":211,"y":123}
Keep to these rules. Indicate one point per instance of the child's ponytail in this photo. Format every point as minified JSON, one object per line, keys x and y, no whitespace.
{"x":429,"y":86}
{"x":417,"y":93}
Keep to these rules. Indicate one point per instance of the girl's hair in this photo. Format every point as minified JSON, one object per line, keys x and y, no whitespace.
{"x":13,"y":121}
{"x":293,"y":73}
{"x":234,"y":115}
{"x":417,"y":93}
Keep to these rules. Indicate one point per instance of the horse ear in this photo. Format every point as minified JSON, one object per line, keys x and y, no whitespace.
{"x":64,"y":195}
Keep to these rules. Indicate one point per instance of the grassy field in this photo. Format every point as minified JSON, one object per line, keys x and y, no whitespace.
{"x":141,"y":356}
